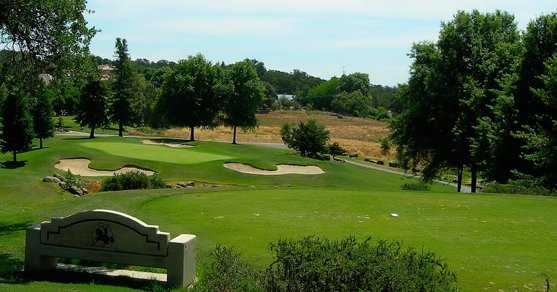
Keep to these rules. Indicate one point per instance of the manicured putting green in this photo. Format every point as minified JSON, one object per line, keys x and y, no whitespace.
{"x":155,"y":153}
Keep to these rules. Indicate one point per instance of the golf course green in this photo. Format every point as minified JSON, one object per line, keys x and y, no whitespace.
{"x":490,"y":241}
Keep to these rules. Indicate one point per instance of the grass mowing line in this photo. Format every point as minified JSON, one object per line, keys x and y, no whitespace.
{"x":155,"y":152}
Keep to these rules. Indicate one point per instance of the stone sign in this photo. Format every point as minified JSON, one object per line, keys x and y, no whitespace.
{"x":110,"y":237}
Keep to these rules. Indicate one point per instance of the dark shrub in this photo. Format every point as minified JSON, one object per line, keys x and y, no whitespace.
{"x":336,"y":150}
{"x":419,"y":186}
{"x":521,"y":184}
{"x":514,"y":188}
{"x":132,"y":181}
{"x":309,"y":138}
{"x":314,"y":264}
{"x":226,"y":271}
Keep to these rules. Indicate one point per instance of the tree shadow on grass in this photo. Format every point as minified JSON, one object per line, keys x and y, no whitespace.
{"x":71,"y":277}
{"x":12,"y":164}
{"x":77,"y":138}
{"x":11,"y":272}
{"x":11,"y":269}
{"x":10,"y":228}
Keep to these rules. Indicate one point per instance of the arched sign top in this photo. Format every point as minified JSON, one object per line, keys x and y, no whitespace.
{"x":105,"y":230}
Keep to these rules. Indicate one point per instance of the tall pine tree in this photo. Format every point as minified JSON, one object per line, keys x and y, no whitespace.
{"x":92,"y":107}
{"x":120,"y":107}
{"x":17,"y":125}
{"x":42,"y":115}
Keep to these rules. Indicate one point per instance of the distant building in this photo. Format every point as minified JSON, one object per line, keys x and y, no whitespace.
{"x":46,"y":78}
{"x":286,"y":96}
{"x":106,"y":71}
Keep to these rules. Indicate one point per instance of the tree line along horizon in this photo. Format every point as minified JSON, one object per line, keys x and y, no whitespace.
{"x":482,"y":97}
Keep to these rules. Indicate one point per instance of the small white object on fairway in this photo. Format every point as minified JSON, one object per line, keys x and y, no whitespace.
{"x":394,"y":215}
{"x":172,"y":145}
{"x":282,"y":169}
{"x":80,"y":167}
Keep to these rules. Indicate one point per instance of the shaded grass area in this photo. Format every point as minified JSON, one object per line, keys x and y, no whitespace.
{"x":490,"y":241}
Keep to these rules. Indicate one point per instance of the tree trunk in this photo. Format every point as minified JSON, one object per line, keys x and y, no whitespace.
{"x":234,"y":135}
{"x":92,"y":134}
{"x":474,"y":174}
{"x":14,"y":152}
{"x":120,"y":129}
{"x":192,"y":133}
{"x":459,"y":178}
{"x":41,"y":142}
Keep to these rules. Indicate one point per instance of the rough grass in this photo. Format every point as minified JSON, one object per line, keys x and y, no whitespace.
{"x":492,"y":242}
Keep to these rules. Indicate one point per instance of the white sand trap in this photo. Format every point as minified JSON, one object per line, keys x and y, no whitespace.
{"x":281,"y":169}
{"x":173,"y":145}
{"x":81,"y":167}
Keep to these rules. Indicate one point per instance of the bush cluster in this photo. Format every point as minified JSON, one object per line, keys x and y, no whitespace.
{"x":308,"y":138}
{"x":132,"y":181}
{"x":515,"y":188}
{"x":419,"y":186}
{"x":315,"y":264}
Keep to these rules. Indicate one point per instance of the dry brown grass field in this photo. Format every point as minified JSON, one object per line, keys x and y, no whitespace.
{"x":357,"y":135}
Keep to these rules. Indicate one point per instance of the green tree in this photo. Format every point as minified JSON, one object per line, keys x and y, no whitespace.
{"x":540,"y":45}
{"x":336,"y":150}
{"x":189,"y":97}
{"x":93,"y":105}
{"x":541,"y":140}
{"x":17,"y":125}
{"x":42,"y":115}
{"x":354,"y":103}
{"x":453,"y":91}
{"x":309,"y":138}
{"x":354,"y":82}
{"x":321,"y":95}
{"x":121,"y":109}
{"x":478,"y":50}
{"x":242,"y":93}
{"x":270,"y":98}
{"x":422,"y":132}
{"x":46,"y":31}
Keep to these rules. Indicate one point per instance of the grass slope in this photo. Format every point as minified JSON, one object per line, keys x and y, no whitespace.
{"x":492,"y":241}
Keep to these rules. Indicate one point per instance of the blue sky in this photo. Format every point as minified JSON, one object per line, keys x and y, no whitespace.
{"x":322,"y":37}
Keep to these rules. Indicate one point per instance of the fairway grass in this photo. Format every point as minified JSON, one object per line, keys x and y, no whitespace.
{"x":492,"y":242}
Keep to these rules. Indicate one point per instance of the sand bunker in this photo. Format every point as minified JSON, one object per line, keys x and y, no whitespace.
{"x":81,"y":167}
{"x":281,"y":169}
{"x":166,"y":143}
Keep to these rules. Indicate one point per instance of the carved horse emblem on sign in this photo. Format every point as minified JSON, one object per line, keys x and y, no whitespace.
{"x":103,"y":236}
